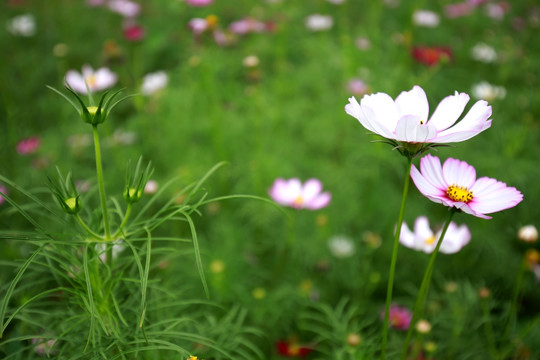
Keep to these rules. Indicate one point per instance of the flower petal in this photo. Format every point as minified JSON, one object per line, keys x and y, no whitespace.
{"x":490,"y":195}
{"x":319,"y":202}
{"x":409,"y":129}
{"x":406,"y":236}
{"x":381,"y":112}
{"x":476,"y":121}
{"x":311,"y":189}
{"x":456,"y":172}
{"x":284,"y":192}
{"x":353,"y":108}
{"x":454,"y":239}
{"x":76,"y":81}
{"x":413,"y":102}
{"x":430,"y":167}
{"x":426,"y":187}
{"x":422,"y":229}
{"x":449,"y":110}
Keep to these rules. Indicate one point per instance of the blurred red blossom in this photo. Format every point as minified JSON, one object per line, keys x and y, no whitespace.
{"x":134,"y":33}
{"x":28,"y":146}
{"x":431,"y":55}
{"x":292,"y":349}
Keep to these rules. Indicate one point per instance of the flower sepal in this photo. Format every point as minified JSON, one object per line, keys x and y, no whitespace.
{"x":411,"y":150}
{"x":136,"y":181}
{"x":65,"y":192}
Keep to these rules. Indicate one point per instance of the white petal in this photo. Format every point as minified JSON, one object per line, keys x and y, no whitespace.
{"x":353,"y":109}
{"x":476,"y":121}
{"x":456,"y":172}
{"x":406,"y":236}
{"x":422,"y":229}
{"x":409,"y":129}
{"x":381,"y":112}
{"x":311,"y":189}
{"x":449,"y":110}
{"x":413,"y":102}
{"x":76,"y":81}
{"x":319,"y":202}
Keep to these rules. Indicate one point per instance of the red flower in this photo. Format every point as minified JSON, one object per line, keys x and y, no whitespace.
{"x":431,"y":56}
{"x":134,"y":33}
{"x":292,"y":349}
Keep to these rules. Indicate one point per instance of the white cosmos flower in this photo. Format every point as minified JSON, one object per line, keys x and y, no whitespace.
{"x":98,"y":80}
{"x":154,"y":82}
{"x":424,"y":239}
{"x":486,"y":91}
{"x":484,"y":53}
{"x":318,"y":22}
{"x":22,"y":25}
{"x":426,"y":18}
{"x":341,"y":246}
{"x":407,"y":118}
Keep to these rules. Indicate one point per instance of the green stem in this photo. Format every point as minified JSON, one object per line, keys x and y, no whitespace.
{"x":124,"y":221}
{"x":394,"y":259}
{"x":488,"y":328}
{"x":515,"y":297}
{"x":101,"y":183}
{"x":85,"y":227}
{"x":424,"y":287}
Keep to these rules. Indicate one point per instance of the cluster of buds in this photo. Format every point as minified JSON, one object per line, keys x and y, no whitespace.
{"x":136,"y":181}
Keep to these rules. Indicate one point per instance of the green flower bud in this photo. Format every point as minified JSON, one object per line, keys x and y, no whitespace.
{"x":72,"y":205}
{"x":132,"y":195}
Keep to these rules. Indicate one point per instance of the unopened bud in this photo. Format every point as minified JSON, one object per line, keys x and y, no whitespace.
{"x":423,"y":326}
{"x":528,"y":233}
{"x":132,"y":195}
{"x":353,"y":339}
{"x":72,"y":205}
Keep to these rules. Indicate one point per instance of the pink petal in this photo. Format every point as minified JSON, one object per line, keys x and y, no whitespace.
{"x":449,"y":110}
{"x":319,"y":202}
{"x":76,"y":81}
{"x":413,"y":102}
{"x":456,"y":172}
{"x":311,"y":189}
{"x":426,"y":187}
{"x":430,"y":167}
{"x":491,"y":196}
{"x":409,"y":129}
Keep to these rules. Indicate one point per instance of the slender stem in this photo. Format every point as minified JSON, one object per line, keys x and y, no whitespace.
{"x":394,"y":259}
{"x":488,"y":328}
{"x":101,"y":183}
{"x":124,"y":221}
{"x":424,"y":287}
{"x":88,"y":230}
{"x":515,"y":297}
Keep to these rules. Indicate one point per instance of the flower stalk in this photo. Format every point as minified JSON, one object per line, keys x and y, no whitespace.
{"x":424,"y":287}
{"x":101,"y":184}
{"x":393,"y":261}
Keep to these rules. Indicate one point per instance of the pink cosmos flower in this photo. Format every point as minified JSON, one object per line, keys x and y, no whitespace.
{"x":199,"y":2}
{"x":246,"y":26}
{"x":125,"y":8}
{"x":458,"y":9}
{"x":100,"y":79}
{"x":398,"y":317}
{"x":292,"y":193}
{"x":423,"y":238}
{"x":357,"y":86}
{"x":406,"y":118}
{"x":455,"y":185}
{"x":28,"y":146}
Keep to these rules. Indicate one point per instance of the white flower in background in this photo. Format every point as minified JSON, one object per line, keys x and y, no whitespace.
{"x":486,"y":91}
{"x":117,"y":247}
{"x":122,"y":137}
{"x":362,"y":43}
{"x":426,"y":18}
{"x":423,"y":238}
{"x":484,"y":53}
{"x":341,"y":246}
{"x":250,"y":61}
{"x":318,"y":22}
{"x":98,"y":80}
{"x":22,"y":25}
{"x":125,"y":8}
{"x":336,"y":2}
{"x":153,"y":82}
{"x":528,"y":233}
{"x":151,"y":187}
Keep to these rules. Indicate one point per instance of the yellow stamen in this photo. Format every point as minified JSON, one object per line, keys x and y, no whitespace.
{"x":459,"y":193}
{"x":430,"y":240}
{"x":299,"y":201}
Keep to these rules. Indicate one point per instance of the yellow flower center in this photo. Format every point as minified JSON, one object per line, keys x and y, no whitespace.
{"x":212,"y":20}
{"x":458,"y":193}
{"x":430,"y":240}
{"x":91,"y":81}
{"x":298,"y":202}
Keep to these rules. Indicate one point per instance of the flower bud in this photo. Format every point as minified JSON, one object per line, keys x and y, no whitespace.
{"x":423,"y":326}
{"x":528,"y":233}
{"x":132,"y":195}
{"x":353,"y":339}
{"x":72,"y":205}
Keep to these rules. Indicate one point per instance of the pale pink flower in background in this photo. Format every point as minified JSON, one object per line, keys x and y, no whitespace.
{"x":426,"y":18}
{"x":424,"y":239}
{"x":406,"y":118}
{"x":246,"y":26}
{"x":357,"y":87}
{"x":458,"y":10}
{"x":98,"y":80}
{"x":44,"y":347}
{"x":318,"y":22}
{"x":198,"y":25}
{"x":362,"y":43}
{"x":29,"y":145}
{"x":528,"y":233}
{"x":292,"y":193}
{"x":336,"y":2}
{"x":497,"y":10}
{"x":399,"y":317}
{"x":125,"y":8}
{"x":22,"y":25}
{"x":117,"y":247}
{"x":454,"y":184}
{"x":151,"y":187}
{"x":486,"y":91}
{"x":199,"y":2}
{"x":154,"y":82}
{"x":3,"y":190}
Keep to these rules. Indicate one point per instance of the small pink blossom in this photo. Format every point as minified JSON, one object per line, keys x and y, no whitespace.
{"x":125,"y":8}
{"x":292,"y":193}
{"x":357,"y":87}
{"x":399,"y":317}
{"x":455,"y":185}
{"x":199,"y":3}
{"x":151,"y":187}
{"x":98,"y":80}
{"x":246,"y":26}
{"x":458,"y":10}
{"x":424,"y":239}
{"x":134,"y":33}
{"x":3,"y":190}
{"x":28,"y":146}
